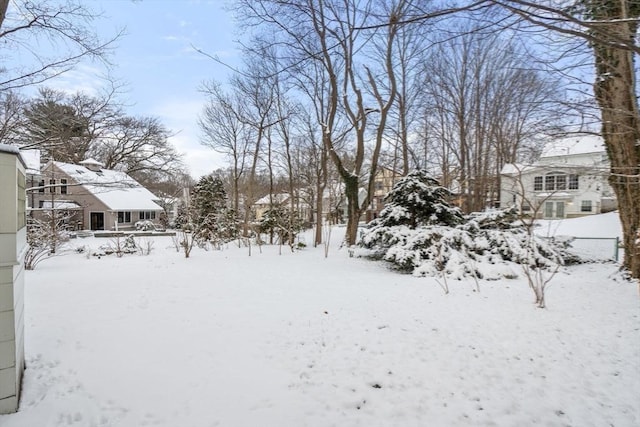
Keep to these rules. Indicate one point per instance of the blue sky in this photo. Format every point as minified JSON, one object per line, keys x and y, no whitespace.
{"x":161,"y":70}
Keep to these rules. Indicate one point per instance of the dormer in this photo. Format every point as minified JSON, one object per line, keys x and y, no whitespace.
{"x":92,"y":164}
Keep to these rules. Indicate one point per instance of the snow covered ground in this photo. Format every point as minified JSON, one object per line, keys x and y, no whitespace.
{"x":224,"y":339}
{"x":595,"y":235}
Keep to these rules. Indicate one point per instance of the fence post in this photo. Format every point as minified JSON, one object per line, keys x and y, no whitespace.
{"x":617,"y":248}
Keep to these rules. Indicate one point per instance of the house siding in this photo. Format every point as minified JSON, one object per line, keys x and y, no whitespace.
{"x":593,"y":187}
{"x":12,"y":250}
{"x":88,"y":201}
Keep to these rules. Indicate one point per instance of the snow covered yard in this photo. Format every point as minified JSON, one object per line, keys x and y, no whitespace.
{"x":224,"y":339}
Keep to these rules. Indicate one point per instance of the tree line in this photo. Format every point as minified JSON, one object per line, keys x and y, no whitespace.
{"x":457,"y":91}
{"x":331,"y":90}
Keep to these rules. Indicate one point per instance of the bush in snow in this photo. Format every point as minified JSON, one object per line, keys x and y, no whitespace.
{"x":281,"y":223}
{"x":145,"y":225}
{"x":45,"y":236}
{"x":420,"y":232}
{"x":119,"y":246}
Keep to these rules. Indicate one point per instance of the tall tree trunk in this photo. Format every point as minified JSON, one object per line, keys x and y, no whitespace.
{"x":615,"y":92}
{"x":4,"y":4}
{"x":321,"y":185}
{"x":353,"y":209}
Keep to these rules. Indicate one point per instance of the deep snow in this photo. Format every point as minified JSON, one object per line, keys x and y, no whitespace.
{"x":224,"y":339}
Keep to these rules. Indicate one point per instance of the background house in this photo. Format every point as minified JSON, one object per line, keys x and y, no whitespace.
{"x":94,"y":198}
{"x":263,"y":204}
{"x":569,"y":180}
{"x":384,"y":180}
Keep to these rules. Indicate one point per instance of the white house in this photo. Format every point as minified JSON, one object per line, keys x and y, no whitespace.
{"x":569,"y":180}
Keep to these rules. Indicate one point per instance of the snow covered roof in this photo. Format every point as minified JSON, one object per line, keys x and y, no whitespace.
{"x":583,"y":144}
{"x":60,"y":204}
{"x":9,"y":149}
{"x":117,"y":190}
{"x":276,"y":198}
{"x":515,"y":168}
{"x":31,"y":160}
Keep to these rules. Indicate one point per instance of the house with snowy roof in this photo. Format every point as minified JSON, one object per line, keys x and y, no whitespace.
{"x":570,"y":179}
{"x":93,"y":197}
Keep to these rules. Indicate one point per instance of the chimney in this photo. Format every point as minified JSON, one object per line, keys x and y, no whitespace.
{"x":92,"y":164}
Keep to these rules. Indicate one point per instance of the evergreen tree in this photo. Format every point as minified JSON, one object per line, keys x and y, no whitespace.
{"x":211,"y":219}
{"x":280,"y":222}
{"x":418,"y":200}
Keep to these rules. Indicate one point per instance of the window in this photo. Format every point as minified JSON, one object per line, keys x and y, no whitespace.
{"x":573,"y":182}
{"x":537,"y":183}
{"x":63,"y":186}
{"x":555,"y":181}
{"x":41,"y":186}
{"x":52,"y":188}
{"x":586,"y":206}
{"x":147,"y":215}
{"x":549,"y":183}
{"x":378,"y":185}
{"x":124,"y":217}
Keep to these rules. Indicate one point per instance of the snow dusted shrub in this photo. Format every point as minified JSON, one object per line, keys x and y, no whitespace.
{"x":145,"y":225}
{"x":419,"y":232}
{"x":45,"y":236}
{"x":120,"y":246}
{"x":145,"y":246}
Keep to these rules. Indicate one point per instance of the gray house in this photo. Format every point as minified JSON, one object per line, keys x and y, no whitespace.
{"x":95,"y":198}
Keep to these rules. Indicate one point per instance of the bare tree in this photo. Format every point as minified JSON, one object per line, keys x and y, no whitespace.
{"x":485,"y":104}
{"x":139,"y":146}
{"x":53,"y":35}
{"x":225,"y":132}
{"x":11,"y":118}
{"x":257,"y":113}
{"x":325,"y":32}
{"x":410,"y":57}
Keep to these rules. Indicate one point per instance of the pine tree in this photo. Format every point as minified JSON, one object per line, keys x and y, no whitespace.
{"x":418,"y":200}
{"x":211,"y":219}
{"x":282,"y":223}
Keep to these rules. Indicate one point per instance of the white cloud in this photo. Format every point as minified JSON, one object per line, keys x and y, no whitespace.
{"x":181,"y":117}
{"x":82,"y":78}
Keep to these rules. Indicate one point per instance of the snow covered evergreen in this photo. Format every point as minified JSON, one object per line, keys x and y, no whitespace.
{"x":211,"y":220}
{"x":420,"y":232}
